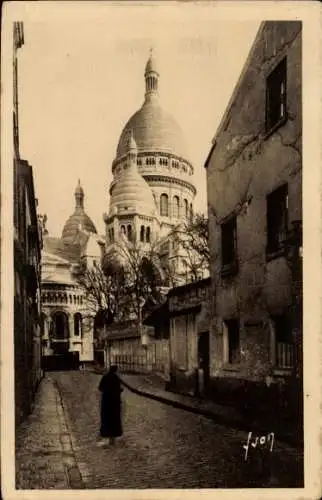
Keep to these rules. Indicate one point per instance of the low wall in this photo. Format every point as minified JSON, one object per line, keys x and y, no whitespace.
{"x":247,"y":396}
{"x":61,"y":362}
{"x":153,"y":357}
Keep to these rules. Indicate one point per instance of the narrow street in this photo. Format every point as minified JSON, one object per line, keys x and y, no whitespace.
{"x":165,"y":447}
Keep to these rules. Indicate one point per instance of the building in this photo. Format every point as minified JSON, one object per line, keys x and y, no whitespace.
{"x":151,"y":194}
{"x":254,"y":184}
{"x":152,"y":190}
{"x":27,"y":261}
{"x":67,"y":318}
{"x":189,"y":318}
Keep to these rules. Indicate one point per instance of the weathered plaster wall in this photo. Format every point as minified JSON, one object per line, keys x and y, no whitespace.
{"x":244,"y":167}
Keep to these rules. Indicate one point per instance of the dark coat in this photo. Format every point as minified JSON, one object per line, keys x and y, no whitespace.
{"x":110,"y":387}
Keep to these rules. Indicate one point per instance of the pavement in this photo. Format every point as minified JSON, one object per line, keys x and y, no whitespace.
{"x":163,"y":445}
{"x":44,"y":452}
{"x":153,"y":386}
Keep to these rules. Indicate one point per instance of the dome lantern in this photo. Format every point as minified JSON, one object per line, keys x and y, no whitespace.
{"x":79,"y":196}
{"x":151,"y":75}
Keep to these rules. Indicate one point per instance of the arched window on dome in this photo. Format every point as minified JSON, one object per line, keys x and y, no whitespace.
{"x":164,"y":205}
{"x":175,"y":207}
{"x":129,"y":232}
{"x":186,"y":208}
{"x":142,"y":233}
{"x":148,"y":234}
{"x":77,"y":324}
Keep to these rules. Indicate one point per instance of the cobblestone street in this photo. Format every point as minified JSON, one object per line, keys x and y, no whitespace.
{"x":165,"y":447}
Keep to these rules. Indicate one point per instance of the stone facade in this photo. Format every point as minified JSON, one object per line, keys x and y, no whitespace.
{"x":188,"y":307}
{"x":27,"y":256}
{"x":254,"y":183}
{"x":152,"y":190}
{"x":67,"y":317}
{"x":67,"y":324}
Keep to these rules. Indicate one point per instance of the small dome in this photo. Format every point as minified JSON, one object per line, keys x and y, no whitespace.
{"x":78,"y":219}
{"x":132,"y":193}
{"x":74,"y":222}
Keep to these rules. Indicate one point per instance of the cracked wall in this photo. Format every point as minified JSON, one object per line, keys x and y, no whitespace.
{"x":247,"y":164}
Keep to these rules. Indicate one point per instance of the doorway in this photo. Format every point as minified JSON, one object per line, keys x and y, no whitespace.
{"x":203,"y":360}
{"x":60,"y":342}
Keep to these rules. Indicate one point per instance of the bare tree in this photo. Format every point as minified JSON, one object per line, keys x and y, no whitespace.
{"x":103,"y":286}
{"x":144,"y":278}
{"x":192,"y":241}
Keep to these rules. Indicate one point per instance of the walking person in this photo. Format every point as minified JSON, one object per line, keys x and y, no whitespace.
{"x":111,"y":423}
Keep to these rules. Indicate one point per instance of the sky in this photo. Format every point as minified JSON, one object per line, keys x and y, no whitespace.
{"x":82,"y":77}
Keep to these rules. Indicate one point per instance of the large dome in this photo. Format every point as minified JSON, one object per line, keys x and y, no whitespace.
{"x":78,"y":219}
{"x":153,"y":130}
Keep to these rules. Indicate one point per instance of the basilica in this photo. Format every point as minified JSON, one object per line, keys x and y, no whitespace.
{"x":151,"y":193}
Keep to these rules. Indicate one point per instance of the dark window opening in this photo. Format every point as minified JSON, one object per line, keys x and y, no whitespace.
{"x":129,"y":232}
{"x":186,"y":207}
{"x":233,"y":341}
{"x":142,"y":233}
{"x":283,"y":341}
{"x":77,"y":324}
{"x":276,"y":96}
{"x":164,"y":205}
{"x":277,"y":219}
{"x":175,"y":207}
{"x":229,"y":243}
{"x":148,"y":235}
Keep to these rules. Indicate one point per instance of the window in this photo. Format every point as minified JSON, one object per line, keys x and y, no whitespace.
{"x":142,"y":233}
{"x":229,"y":245}
{"x":276,"y":96}
{"x":163,"y":161}
{"x":277,"y":216}
{"x":148,"y":235}
{"x":77,"y":324}
{"x":164,"y":205}
{"x":112,"y":234}
{"x":129,"y":232}
{"x":191,"y":211}
{"x":186,"y":207}
{"x":283,"y":341}
{"x":175,"y":207}
{"x":232,"y":341}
